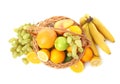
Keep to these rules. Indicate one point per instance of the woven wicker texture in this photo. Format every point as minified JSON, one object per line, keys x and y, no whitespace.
{"x":50,"y":24}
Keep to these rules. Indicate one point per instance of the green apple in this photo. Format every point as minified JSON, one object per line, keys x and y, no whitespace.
{"x":61,"y":43}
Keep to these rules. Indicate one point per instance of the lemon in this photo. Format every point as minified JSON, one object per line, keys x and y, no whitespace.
{"x":32,"y":57}
{"x":77,"y":67}
{"x":43,"y":55}
{"x":75,"y":29}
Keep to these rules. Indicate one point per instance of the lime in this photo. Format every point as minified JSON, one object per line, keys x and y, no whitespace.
{"x":61,"y":43}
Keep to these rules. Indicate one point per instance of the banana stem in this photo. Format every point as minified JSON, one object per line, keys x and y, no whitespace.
{"x":89,"y":19}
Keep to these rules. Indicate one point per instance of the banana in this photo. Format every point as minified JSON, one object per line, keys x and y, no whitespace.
{"x":95,"y":61}
{"x":98,"y":39}
{"x":103,"y":29}
{"x":101,"y":36}
{"x":83,"y":20}
{"x":92,"y":46}
{"x":87,"y":16}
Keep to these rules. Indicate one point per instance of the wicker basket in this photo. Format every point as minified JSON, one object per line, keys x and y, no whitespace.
{"x":50,"y":24}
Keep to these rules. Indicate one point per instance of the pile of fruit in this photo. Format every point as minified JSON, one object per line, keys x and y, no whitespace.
{"x":62,"y":43}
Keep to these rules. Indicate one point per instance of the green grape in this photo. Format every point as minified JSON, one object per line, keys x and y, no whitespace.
{"x":21,"y":53}
{"x":69,"y":39}
{"x":74,"y":52}
{"x":26,"y":36}
{"x":66,"y":34}
{"x":20,"y":40}
{"x":12,"y":49}
{"x":76,"y":38}
{"x":69,"y":54}
{"x":80,"y":50}
{"x":19,"y":48}
{"x":25,"y":52}
{"x":25,"y":41}
{"x":16,"y":30}
{"x":29,"y":49}
{"x":78,"y":43}
{"x":72,"y":43}
{"x":25,"y":61}
{"x":26,"y":26}
{"x":19,"y":31}
{"x":19,"y":35}
{"x":24,"y":47}
{"x":20,"y":28}
{"x":22,"y":44}
{"x":12,"y":40}
{"x":30,"y":43}
{"x":75,"y":43}
{"x":15,"y":44}
{"x":76,"y":57}
{"x":15,"y":54}
{"x":23,"y":33}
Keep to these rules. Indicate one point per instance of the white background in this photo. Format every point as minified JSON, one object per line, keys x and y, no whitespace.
{"x":14,"y":13}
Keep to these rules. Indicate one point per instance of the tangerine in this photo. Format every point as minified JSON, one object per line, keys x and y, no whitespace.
{"x":57,"y":56}
{"x":87,"y":55}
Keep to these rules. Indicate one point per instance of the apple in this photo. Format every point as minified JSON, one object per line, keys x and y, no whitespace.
{"x":63,"y":24}
{"x":61,"y":43}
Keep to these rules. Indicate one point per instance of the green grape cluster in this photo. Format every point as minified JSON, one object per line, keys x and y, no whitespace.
{"x":75,"y":43}
{"x":22,"y":43}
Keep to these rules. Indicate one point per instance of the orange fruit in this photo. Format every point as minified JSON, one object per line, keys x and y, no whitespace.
{"x":69,"y":49}
{"x":88,"y":54}
{"x":57,"y":56}
{"x":77,"y":67}
{"x":46,"y":38}
{"x":32,"y":57}
{"x":43,"y":55}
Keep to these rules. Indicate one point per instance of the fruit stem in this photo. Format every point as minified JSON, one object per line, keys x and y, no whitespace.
{"x":89,"y":19}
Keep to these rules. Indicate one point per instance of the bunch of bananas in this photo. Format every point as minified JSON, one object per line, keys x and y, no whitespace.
{"x":97,"y":33}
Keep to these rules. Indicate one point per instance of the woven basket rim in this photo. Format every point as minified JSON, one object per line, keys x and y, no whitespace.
{"x":48,"y":23}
